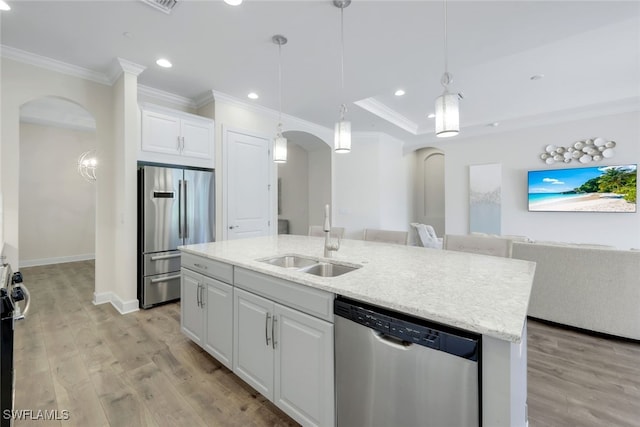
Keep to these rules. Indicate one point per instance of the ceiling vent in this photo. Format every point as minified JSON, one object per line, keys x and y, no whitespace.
{"x":164,"y":5}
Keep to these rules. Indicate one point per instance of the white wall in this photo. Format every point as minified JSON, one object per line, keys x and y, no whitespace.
{"x":372,"y":185}
{"x":319,"y":183}
{"x":21,"y":83}
{"x":57,"y":206}
{"x":518,"y":151}
{"x":127,"y":133}
{"x":294,"y":185}
{"x":395,"y":195}
{"x":231,"y":114}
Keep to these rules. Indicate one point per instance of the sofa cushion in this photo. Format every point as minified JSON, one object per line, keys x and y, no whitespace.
{"x":587,"y":287}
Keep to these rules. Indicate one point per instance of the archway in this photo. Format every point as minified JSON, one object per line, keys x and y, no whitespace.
{"x":57,"y":206}
{"x":429,"y":189}
{"x":304,"y":183}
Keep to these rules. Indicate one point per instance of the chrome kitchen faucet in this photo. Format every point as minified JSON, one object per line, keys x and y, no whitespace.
{"x":329,"y":247}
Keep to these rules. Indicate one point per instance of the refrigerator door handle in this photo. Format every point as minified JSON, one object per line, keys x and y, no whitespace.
{"x":164,"y":257}
{"x":186,"y":220}
{"x":164,"y":279}
{"x":180,"y":220}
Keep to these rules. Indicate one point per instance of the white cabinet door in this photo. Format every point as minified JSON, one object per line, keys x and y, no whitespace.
{"x":218,"y":306}
{"x":252,"y":348}
{"x":160,"y":133}
{"x":197,"y":138}
{"x":175,"y":137}
{"x":191,"y":313}
{"x":304,"y":370}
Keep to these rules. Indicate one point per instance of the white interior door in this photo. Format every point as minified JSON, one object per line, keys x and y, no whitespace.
{"x":248,"y":187}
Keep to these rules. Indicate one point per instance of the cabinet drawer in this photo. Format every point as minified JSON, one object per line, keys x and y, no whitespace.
{"x":312,"y":301}
{"x":208,"y":267}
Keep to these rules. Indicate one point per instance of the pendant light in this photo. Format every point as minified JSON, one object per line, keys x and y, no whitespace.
{"x":342,"y":140}
{"x":447,"y":112}
{"x":280,"y":142}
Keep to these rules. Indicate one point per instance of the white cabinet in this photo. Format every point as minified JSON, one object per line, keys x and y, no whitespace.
{"x":287,"y":356}
{"x":218,"y":306}
{"x":274,"y":334}
{"x":191,"y":313}
{"x":207,"y":314}
{"x":253,"y":351}
{"x":176,"y":137}
{"x":304,"y":370}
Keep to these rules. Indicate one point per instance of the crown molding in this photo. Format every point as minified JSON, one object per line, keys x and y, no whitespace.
{"x":53,"y":65}
{"x":119,"y":66}
{"x":384,"y":112}
{"x":289,"y":122}
{"x":474,"y":130}
{"x":204,"y":99}
{"x":170,"y":98}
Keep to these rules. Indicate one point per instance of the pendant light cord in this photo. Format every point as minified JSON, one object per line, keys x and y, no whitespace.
{"x":342,"y":49}
{"x":279,"y":88}
{"x":343,"y":106}
{"x":446,"y":59}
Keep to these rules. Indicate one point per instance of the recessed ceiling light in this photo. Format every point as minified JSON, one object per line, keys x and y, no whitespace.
{"x":431,"y":116}
{"x":399,"y":92}
{"x":164,"y":63}
{"x":536,"y":77}
{"x":127,"y":34}
{"x":4,"y":5}
{"x":253,"y":95}
{"x":494,"y":124}
{"x":233,"y":2}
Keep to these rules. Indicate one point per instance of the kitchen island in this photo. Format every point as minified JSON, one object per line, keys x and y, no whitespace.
{"x":481,"y":294}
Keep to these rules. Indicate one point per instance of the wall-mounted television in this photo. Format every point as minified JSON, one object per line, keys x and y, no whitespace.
{"x":589,"y":189}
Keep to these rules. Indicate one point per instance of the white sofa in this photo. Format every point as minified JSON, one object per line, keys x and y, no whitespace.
{"x":479,"y":244}
{"x":585,"y":286}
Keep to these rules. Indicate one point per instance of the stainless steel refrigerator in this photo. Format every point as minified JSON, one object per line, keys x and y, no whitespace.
{"x":176,"y":206}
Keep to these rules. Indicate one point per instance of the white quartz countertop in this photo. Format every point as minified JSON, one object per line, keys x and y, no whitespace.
{"x":483,"y":294}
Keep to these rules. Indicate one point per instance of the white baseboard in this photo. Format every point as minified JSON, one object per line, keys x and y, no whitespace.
{"x":101,"y":298}
{"x":123,"y":307}
{"x":57,"y":260}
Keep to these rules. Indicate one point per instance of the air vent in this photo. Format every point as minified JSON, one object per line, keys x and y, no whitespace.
{"x":164,"y":5}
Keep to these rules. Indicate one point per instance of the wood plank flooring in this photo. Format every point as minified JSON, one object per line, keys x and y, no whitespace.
{"x":139,"y":370}
{"x":578,"y":379}
{"x":112,"y":370}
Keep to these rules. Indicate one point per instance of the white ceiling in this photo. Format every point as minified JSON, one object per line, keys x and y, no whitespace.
{"x":588,"y":51}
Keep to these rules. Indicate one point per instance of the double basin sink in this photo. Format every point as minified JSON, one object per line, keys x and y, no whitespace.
{"x":311,"y":265}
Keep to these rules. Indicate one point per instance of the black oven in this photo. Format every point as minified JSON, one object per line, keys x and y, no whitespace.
{"x":12,"y":290}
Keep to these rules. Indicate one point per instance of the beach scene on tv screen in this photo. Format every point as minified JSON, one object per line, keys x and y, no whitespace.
{"x":592,"y":189}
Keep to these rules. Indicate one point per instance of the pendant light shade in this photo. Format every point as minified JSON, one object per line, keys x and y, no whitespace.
{"x":447,"y":111}
{"x":280,"y":142}
{"x":280,"y":148}
{"x":447,"y":115}
{"x":342,"y":138}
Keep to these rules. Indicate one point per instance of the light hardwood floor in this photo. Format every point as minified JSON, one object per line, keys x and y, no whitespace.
{"x":112,"y":370}
{"x":139,"y":370}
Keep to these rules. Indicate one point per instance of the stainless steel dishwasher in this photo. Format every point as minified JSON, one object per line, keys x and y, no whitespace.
{"x":396,"y":370}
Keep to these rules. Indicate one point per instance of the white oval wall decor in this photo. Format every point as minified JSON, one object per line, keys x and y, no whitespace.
{"x":584,"y":151}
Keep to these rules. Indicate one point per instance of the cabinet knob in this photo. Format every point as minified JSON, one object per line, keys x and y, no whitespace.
{"x":231,"y":227}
